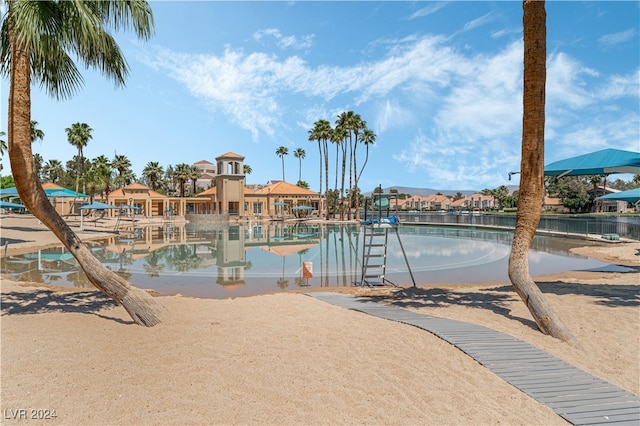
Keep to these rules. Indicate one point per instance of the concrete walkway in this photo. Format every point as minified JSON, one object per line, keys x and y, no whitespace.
{"x":574,"y":394}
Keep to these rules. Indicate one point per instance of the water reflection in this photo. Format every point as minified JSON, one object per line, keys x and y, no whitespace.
{"x":254,"y":258}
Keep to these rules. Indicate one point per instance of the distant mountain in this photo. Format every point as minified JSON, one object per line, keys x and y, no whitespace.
{"x":423,"y":192}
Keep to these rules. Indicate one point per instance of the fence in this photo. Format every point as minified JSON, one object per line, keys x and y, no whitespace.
{"x":625,"y":227}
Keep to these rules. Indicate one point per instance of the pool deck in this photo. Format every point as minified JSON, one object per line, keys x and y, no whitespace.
{"x":575,"y":395}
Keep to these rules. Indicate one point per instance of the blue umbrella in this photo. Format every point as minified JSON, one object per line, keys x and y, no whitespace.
{"x":98,"y":206}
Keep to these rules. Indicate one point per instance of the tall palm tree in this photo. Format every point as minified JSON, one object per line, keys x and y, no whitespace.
{"x":321,"y":132}
{"x":79,"y":135}
{"x":281,"y":152}
{"x":337,"y":137}
{"x":246,"y":169}
{"x":299,"y":154}
{"x":37,"y":38}
{"x":152,"y":173}
{"x":532,"y":171}
{"x":368,"y":138}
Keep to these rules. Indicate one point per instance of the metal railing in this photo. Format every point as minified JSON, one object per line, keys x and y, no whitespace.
{"x":625,"y":227}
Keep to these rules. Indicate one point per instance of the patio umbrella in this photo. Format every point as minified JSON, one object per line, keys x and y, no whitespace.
{"x":630,"y":196}
{"x":8,"y":205}
{"x":94,"y":206}
{"x":604,"y":162}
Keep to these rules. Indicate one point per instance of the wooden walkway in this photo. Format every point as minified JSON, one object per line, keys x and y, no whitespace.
{"x":577,"y":396}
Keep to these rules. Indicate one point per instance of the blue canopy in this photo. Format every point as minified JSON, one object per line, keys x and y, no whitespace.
{"x":63,"y":193}
{"x":98,"y":206}
{"x":53,"y":193}
{"x":8,"y":192}
{"x":8,"y":205}
{"x":604,"y":162}
{"x":303,"y":208}
{"x":630,"y":196}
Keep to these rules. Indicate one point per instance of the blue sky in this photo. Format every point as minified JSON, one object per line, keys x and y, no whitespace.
{"x":440,"y":83}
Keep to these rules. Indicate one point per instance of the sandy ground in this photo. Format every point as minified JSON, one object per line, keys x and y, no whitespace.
{"x":288,"y":359}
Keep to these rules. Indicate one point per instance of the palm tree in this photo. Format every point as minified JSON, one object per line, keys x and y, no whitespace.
{"x":3,"y":146}
{"x":102,"y":169}
{"x":37,"y":38}
{"x":321,"y":132}
{"x":281,"y":152}
{"x":123,"y":166}
{"x":182,"y":174}
{"x":337,"y":137}
{"x":194,"y":175}
{"x":299,"y":154}
{"x":36,"y":134}
{"x":79,"y":135}
{"x":368,"y":138}
{"x":3,"y":143}
{"x":246,"y":169}
{"x":532,"y":172}
{"x":53,"y":170}
{"x":152,"y":172}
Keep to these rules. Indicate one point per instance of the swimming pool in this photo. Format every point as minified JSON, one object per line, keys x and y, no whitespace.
{"x":221,"y":261}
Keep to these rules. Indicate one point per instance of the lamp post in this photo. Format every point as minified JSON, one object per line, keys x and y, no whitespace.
{"x":133,"y":211}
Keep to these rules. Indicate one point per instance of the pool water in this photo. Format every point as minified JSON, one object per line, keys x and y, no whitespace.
{"x":221,"y":261}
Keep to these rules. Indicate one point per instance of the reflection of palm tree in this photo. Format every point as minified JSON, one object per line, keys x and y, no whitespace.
{"x":301,"y":282}
{"x":183,"y":258}
{"x":282,"y":282}
{"x":79,"y":279}
{"x":151,"y":265}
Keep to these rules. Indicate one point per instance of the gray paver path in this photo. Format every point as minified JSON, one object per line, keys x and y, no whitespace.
{"x":574,"y":394}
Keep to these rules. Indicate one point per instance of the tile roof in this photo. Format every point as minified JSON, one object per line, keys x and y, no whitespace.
{"x":137,"y":187}
{"x":230,"y":155}
{"x":285,"y":188}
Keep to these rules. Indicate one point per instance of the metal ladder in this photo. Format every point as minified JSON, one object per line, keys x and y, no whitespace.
{"x":374,"y":255}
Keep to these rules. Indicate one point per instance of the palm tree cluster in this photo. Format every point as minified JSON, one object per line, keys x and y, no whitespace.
{"x":100,"y":175}
{"x":349,"y":131}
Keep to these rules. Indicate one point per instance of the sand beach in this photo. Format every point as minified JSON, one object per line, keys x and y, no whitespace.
{"x":288,"y":359}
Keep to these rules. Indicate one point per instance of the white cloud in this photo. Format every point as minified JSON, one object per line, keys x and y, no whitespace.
{"x":285,"y":42}
{"x":430,"y":9}
{"x":478,"y":22}
{"x":617,"y":38}
{"x":471,"y":104}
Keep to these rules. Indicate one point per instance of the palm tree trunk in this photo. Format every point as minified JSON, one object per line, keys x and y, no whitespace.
{"x":320,"y":192}
{"x":326,"y":175}
{"x":141,"y":306}
{"x":532,"y":173}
